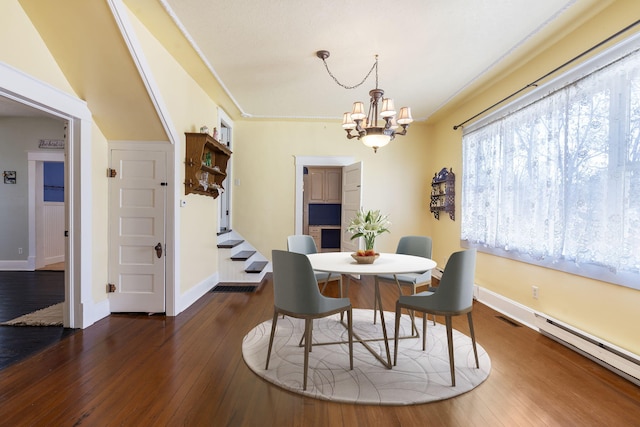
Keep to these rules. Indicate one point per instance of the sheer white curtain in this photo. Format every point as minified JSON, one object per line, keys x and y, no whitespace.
{"x":557,"y":181}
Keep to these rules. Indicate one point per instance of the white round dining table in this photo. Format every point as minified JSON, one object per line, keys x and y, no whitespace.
{"x":386,"y":263}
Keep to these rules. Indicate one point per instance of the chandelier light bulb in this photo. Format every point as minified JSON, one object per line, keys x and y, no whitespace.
{"x":358,"y":111}
{"x":347,"y":121}
{"x":388,"y":110}
{"x":404,"y":118}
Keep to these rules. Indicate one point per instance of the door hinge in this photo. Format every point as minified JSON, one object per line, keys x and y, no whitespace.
{"x":111,"y":173}
{"x":111,"y":288}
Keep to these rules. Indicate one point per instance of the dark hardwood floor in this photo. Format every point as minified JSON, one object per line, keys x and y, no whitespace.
{"x":188,"y":370}
{"x":23,"y":292}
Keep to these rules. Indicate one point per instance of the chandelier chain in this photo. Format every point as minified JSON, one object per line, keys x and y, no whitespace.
{"x":335,"y":79}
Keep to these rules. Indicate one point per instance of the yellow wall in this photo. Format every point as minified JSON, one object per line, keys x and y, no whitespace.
{"x":190,"y":108}
{"x":22,"y":47}
{"x":604,"y":310}
{"x":395,"y":180}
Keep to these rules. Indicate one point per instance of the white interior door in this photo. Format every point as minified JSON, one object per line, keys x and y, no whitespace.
{"x":137,"y":197}
{"x":351,"y":202}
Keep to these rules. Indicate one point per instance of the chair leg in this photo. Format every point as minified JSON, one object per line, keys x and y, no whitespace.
{"x":424,"y":331}
{"x":302,"y":338}
{"x":273,"y":331}
{"x":473,"y":338}
{"x":396,"y":334}
{"x":307,"y":348}
{"x":375,"y":299}
{"x":350,"y":326}
{"x":450,"y":343}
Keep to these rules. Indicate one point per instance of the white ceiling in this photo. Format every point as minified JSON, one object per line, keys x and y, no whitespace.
{"x":264,"y":52}
{"x":430,"y":51}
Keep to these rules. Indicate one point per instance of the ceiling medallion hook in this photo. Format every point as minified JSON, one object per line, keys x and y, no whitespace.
{"x":366,"y":124}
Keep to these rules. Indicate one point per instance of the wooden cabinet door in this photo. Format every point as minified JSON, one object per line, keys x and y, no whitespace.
{"x":316,"y":185}
{"x":333,"y":185}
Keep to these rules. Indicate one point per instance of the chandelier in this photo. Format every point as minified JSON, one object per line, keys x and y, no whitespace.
{"x":365,"y":125}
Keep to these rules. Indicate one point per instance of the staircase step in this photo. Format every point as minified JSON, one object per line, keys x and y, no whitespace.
{"x":229,"y":244}
{"x":243,"y":255}
{"x":256,"y":267}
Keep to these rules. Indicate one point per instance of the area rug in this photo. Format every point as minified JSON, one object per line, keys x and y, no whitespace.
{"x":419,"y":376}
{"x":50,"y":316}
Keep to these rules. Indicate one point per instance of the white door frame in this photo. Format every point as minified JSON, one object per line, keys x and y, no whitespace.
{"x":300,"y":163}
{"x":79,"y":308}
{"x":33,"y":158}
{"x":227,"y":194}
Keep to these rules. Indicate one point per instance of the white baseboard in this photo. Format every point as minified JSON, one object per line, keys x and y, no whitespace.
{"x":513,"y":309}
{"x":15,"y":265}
{"x":192,"y":295}
{"x":91,"y":313}
{"x":618,"y":360}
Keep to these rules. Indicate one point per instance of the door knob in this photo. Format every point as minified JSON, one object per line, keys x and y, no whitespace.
{"x":158,"y":249}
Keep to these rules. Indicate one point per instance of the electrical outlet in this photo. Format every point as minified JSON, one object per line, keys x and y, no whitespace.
{"x":19,"y":251}
{"x":534,"y":292}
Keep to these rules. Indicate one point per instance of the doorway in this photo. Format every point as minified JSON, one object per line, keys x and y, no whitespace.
{"x":314,"y":161}
{"x":34,"y":98}
{"x":224,"y":206}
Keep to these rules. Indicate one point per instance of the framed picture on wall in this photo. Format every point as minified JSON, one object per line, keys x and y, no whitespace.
{"x":9,"y":177}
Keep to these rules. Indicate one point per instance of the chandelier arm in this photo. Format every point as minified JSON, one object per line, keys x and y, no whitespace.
{"x":404,"y":130}
{"x":335,"y":79}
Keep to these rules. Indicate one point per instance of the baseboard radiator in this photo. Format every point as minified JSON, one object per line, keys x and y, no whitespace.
{"x":620,"y":361}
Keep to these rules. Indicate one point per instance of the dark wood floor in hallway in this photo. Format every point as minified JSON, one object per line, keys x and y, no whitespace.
{"x":154,"y":370}
{"x":23,"y":292}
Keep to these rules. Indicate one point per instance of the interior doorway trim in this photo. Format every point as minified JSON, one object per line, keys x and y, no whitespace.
{"x":300,"y":163}
{"x":80,"y":310}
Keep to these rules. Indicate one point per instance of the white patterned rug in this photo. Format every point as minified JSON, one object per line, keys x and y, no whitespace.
{"x":49,"y":316}
{"x":419,"y":377}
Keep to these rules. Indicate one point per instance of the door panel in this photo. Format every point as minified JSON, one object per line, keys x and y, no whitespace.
{"x":351,"y":202}
{"x":137,"y":226}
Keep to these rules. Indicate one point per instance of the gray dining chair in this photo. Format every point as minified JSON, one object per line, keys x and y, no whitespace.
{"x":408,"y":245}
{"x":296,"y":294}
{"x":453,"y":297}
{"x":304,"y":244}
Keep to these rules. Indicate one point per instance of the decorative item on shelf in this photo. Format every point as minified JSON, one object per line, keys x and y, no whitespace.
{"x":211,"y":169}
{"x":204,"y":180}
{"x":368,"y":225}
{"x":217,"y":188}
{"x":204,"y":129}
{"x":366,"y":125}
{"x":215,"y":134}
{"x":443,"y":192}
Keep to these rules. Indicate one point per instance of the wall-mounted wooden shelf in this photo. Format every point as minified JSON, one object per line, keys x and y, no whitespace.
{"x":205,"y":165}
{"x":443,"y":194}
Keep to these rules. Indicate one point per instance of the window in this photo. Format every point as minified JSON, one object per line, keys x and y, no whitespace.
{"x":555,"y":180}
{"x":53,"y":181}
